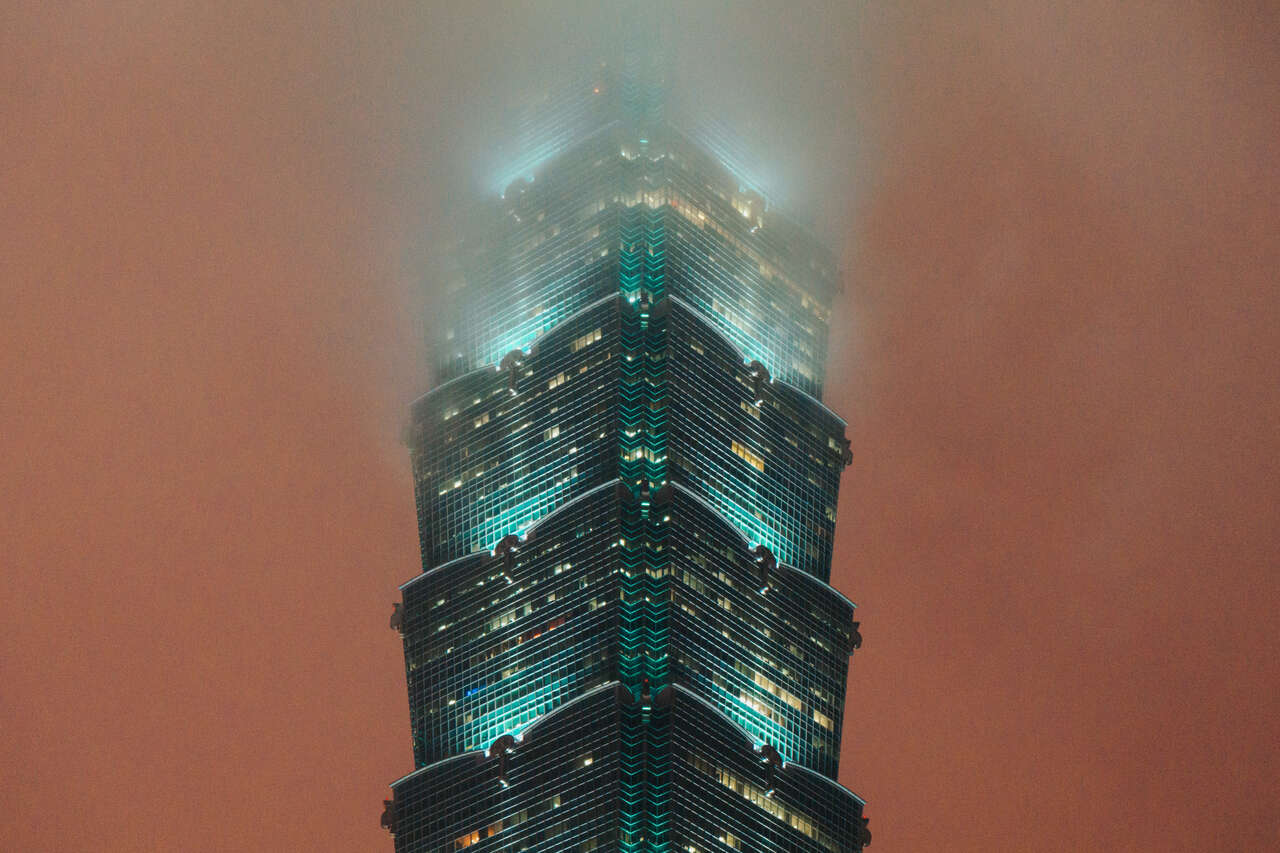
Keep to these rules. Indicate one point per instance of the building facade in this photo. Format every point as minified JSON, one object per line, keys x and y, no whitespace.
{"x":623,"y":637}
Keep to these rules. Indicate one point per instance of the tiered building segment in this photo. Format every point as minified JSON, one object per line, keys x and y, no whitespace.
{"x":623,"y":637}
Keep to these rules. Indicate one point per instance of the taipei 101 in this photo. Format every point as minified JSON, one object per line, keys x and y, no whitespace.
{"x":640,"y":426}
{"x":623,"y":636}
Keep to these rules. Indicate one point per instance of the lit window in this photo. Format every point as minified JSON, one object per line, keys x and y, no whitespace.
{"x":752,"y":459}
{"x":585,"y":340}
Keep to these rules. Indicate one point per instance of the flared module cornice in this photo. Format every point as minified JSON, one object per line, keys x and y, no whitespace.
{"x":648,"y":592}
{"x":497,"y":449}
{"x":648,"y":394}
{"x":766,"y":455}
{"x":612,"y":771}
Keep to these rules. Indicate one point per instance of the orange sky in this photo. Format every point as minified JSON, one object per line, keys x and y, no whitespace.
{"x":1058,"y":351}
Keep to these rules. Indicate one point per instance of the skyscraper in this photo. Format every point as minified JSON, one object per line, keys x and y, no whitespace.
{"x":624,"y":637}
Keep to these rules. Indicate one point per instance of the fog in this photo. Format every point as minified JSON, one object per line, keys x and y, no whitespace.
{"x":1056,"y":348}
{"x":782,"y":82}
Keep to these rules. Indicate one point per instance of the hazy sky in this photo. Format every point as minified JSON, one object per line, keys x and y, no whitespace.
{"x":1057,"y":349}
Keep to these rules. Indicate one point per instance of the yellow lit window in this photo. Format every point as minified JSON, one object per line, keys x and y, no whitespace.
{"x":752,"y":459}
{"x":585,"y":340}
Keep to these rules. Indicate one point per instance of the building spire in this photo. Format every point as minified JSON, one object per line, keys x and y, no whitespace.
{"x":644,"y":79}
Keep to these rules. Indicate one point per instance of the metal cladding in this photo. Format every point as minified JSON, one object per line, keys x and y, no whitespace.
{"x":623,"y":637}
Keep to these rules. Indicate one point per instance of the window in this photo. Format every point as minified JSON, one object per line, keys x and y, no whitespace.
{"x":752,"y":459}
{"x":585,"y":340}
